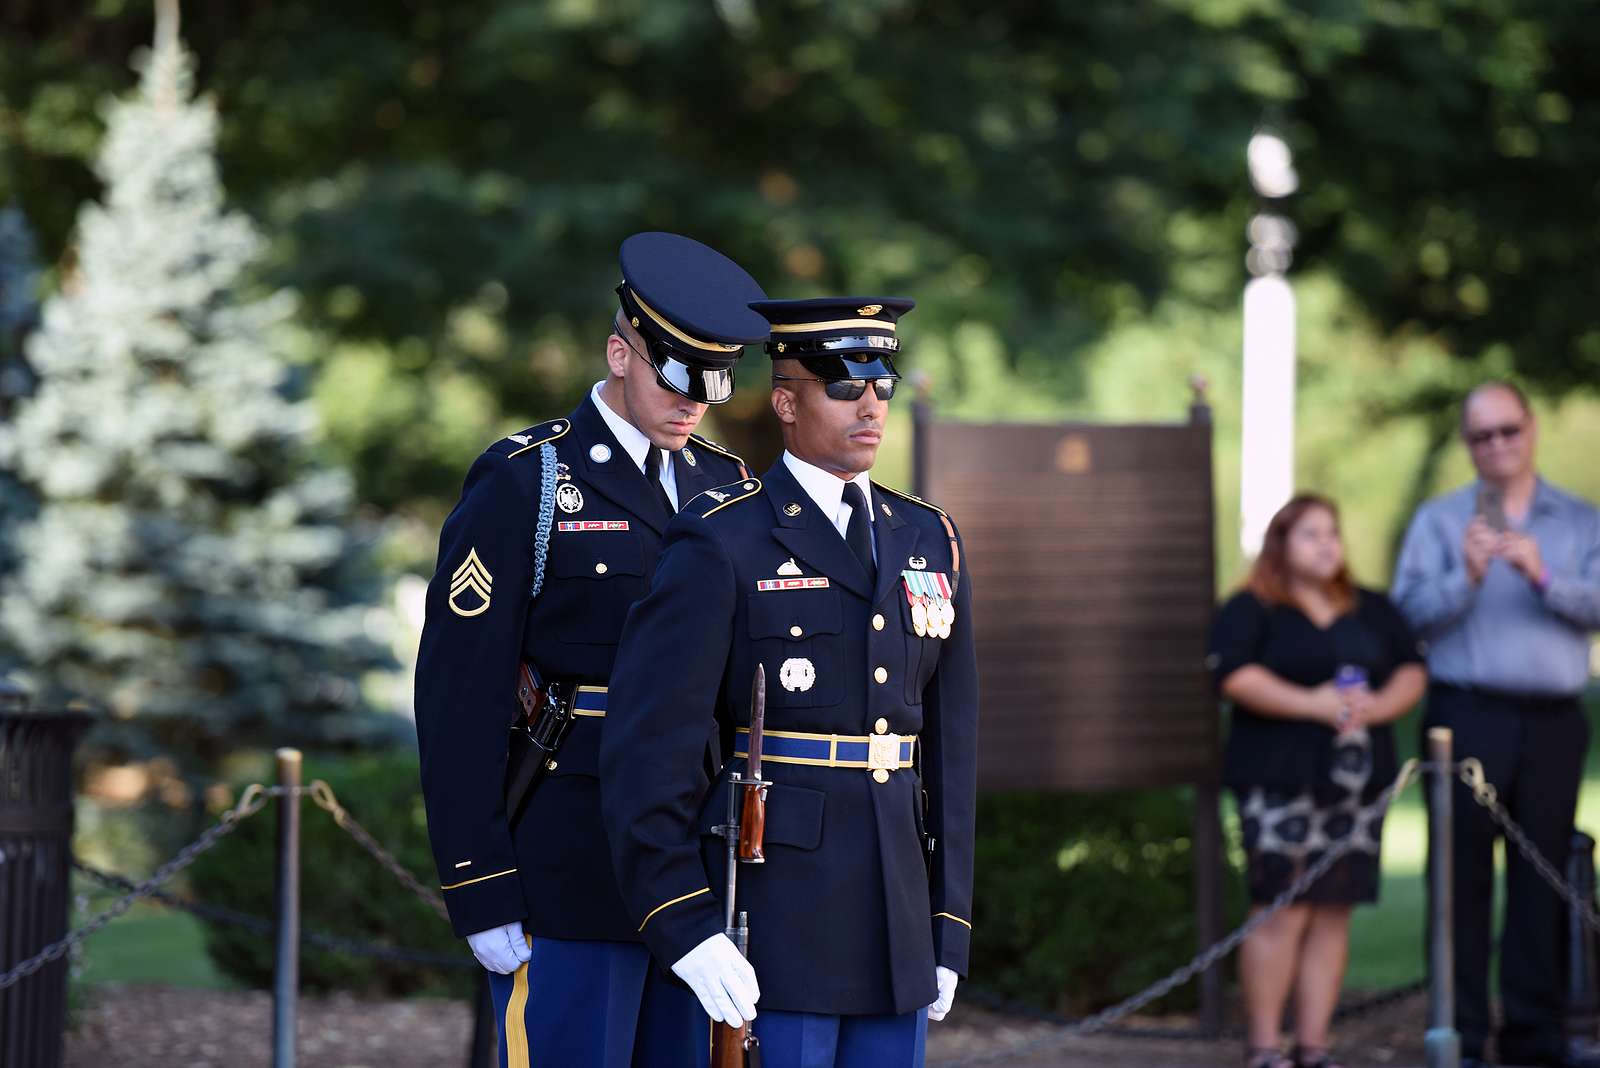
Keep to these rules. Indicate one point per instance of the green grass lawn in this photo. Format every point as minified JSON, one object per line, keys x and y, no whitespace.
{"x":151,"y":944}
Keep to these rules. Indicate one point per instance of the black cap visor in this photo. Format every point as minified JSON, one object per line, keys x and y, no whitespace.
{"x":840,"y":368}
{"x":707,"y":385}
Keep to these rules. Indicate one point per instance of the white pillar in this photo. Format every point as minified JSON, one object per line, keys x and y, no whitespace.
{"x":1266,"y":476}
{"x":1266,"y":479}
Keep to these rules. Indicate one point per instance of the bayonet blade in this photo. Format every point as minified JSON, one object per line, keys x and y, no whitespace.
{"x":758,"y":716}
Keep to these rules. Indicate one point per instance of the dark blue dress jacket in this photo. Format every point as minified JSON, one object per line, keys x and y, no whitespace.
{"x":845,"y":916}
{"x":553,"y":870}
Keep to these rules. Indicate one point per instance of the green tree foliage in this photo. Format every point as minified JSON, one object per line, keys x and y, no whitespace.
{"x":447,"y":181}
{"x":1450,"y":149}
{"x":1081,"y":903}
{"x":191,"y":564}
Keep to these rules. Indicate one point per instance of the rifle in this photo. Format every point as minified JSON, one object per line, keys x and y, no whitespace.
{"x":743,"y":831}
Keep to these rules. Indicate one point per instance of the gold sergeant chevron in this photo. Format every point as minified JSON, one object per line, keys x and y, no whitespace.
{"x":473,"y":576}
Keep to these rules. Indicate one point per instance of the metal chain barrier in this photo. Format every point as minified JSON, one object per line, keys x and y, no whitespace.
{"x":1378,"y":1002}
{"x":1207,"y":957}
{"x":1470,"y":772}
{"x":255,"y":797}
{"x":253,"y":800}
{"x":264,"y":926}
{"x":1483,"y":792}
{"x":323,"y":795}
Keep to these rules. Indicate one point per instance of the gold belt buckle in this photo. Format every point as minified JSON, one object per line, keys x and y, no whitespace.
{"x":883,"y":751}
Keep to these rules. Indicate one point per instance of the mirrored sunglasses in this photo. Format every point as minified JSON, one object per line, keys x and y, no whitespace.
{"x":846,"y":389}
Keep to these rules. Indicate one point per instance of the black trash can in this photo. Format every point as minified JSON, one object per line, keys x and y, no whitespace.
{"x":36,"y":793}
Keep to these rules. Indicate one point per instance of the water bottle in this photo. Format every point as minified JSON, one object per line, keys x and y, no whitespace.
{"x":1352,"y":748}
{"x":1349,"y":677}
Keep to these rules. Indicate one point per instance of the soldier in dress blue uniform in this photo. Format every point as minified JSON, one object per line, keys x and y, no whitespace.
{"x":537,"y":899}
{"x":853,"y":597}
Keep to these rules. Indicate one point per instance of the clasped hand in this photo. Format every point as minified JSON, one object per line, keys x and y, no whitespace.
{"x":1483,"y":543}
{"x":1344,"y":710}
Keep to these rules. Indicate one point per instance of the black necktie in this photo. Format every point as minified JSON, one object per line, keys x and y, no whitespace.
{"x":652,"y":475}
{"x":858,"y":532}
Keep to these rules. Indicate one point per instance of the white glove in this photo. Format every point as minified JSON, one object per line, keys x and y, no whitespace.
{"x":947,"y":993}
{"x":722,"y":979}
{"x":501,"y":949}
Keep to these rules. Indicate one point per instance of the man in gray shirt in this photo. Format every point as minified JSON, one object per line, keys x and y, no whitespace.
{"x":1502,"y":579}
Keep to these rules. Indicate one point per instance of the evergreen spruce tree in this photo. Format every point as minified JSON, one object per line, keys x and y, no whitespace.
{"x":191,"y":568}
{"x":19,"y":283}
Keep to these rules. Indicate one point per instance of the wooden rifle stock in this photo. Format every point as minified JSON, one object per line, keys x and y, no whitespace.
{"x":728,"y":1045}
{"x":743,"y":830}
{"x":736,"y":1047}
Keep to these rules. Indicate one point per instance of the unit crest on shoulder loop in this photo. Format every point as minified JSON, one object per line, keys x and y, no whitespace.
{"x":530,"y":439}
{"x":714,"y":500}
{"x":944,"y":520}
{"x":912,"y":497}
{"x":721,"y":450}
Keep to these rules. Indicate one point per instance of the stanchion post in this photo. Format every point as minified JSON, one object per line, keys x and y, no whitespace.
{"x":1208,"y":861}
{"x":286,"y":958}
{"x":1441,"y":1044}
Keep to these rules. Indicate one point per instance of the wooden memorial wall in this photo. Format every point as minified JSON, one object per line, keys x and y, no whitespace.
{"x":1092,"y":554}
{"x":1091,"y":548}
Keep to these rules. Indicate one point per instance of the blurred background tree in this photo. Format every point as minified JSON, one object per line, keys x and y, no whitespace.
{"x":447,"y":183}
{"x":19,"y":308}
{"x":190,"y":563}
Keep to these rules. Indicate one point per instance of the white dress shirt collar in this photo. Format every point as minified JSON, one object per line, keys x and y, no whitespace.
{"x":635,"y":444}
{"x":827,"y":489}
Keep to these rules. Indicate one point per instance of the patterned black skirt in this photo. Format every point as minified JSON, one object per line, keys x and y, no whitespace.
{"x":1288,"y":830}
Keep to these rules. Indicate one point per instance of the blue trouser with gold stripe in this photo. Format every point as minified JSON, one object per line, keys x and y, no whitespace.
{"x":815,"y":1040}
{"x":596,"y":1005}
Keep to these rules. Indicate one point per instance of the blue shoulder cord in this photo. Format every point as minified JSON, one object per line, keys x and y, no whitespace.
{"x":547,"y":511}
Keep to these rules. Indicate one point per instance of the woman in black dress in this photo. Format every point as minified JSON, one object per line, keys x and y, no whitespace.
{"x":1316,"y":669}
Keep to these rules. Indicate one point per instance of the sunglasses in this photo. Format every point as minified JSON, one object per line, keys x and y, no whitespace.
{"x":705,"y":385}
{"x":847,"y":389}
{"x":1508,"y":432}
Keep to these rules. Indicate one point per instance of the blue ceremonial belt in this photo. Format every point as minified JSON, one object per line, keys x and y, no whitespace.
{"x":888,"y":752}
{"x":589,"y":701}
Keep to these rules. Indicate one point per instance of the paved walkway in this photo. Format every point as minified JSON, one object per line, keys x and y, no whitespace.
{"x":157,"y":1027}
